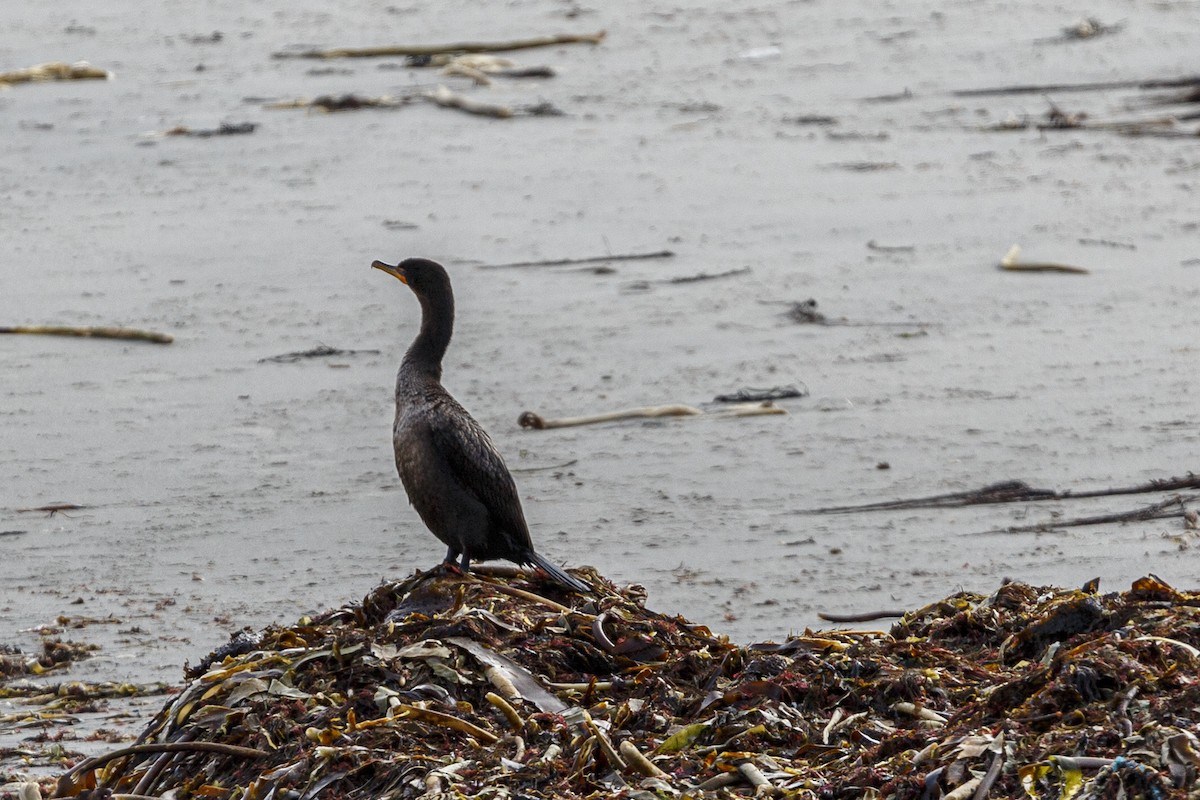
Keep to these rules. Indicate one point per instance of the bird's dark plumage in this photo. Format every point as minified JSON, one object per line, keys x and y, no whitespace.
{"x":454,"y":476}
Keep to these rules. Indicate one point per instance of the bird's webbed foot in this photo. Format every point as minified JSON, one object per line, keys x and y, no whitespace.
{"x":448,"y":563}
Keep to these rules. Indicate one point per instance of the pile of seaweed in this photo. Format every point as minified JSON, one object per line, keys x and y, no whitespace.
{"x":484,"y":686}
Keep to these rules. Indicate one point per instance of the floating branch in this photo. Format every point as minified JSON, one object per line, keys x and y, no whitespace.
{"x":1012,"y":492}
{"x":344,"y":102}
{"x":437,"y":49}
{"x":1011,"y":263}
{"x":445,"y":98}
{"x":54,"y":71}
{"x":707,"y":276}
{"x":1175,"y":506}
{"x":320,"y":351}
{"x":1043,"y":88}
{"x":95,"y":333}
{"x":563,"y":262}
{"x":530,"y":419}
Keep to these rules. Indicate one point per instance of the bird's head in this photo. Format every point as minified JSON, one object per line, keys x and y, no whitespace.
{"x":419,"y":274}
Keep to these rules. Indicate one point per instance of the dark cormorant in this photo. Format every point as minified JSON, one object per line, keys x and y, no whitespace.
{"x":454,"y":476}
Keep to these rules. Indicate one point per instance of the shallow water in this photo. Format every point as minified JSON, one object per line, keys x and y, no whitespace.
{"x":223,"y":492}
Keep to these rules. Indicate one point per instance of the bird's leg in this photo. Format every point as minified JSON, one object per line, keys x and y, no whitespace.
{"x":448,"y":562}
{"x":465,"y":564}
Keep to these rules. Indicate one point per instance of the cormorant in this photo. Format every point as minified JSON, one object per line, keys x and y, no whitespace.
{"x":454,"y":476}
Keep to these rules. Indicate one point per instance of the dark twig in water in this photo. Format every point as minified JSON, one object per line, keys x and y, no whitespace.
{"x":1175,"y":506}
{"x":131,"y":334}
{"x":563,"y":465}
{"x":52,"y":508}
{"x":1011,"y":492}
{"x":1108,"y":243}
{"x":749,"y":395}
{"x":459,"y":47}
{"x":866,"y":616}
{"x":320,"y":351}
{"x":884,"y":248}
{"x":706,"y":276}
{"x":562,"y":262}
{"x":1035,"y":88}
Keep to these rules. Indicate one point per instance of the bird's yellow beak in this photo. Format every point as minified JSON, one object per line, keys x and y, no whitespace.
{"x":395,"y":272}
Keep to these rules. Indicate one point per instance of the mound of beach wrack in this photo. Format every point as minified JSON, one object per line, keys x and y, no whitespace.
{"x":445,"y":685}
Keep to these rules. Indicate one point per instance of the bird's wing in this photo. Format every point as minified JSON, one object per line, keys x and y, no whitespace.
{"x":478,"y":467}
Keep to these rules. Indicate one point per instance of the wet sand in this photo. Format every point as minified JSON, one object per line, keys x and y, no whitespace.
{"x":222,"y":492}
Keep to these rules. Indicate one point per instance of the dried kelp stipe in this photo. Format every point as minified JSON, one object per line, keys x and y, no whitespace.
{"x":1012,"y":263}
{"x":454,"y":48}
{"x":530,"y":419}
{"x":465,"y":686}
{"x":130,"y":334}
{"x":54,"y":71}
{"x":320,"y":351}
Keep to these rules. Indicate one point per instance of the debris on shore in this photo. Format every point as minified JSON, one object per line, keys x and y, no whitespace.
{"x":478,"y":686}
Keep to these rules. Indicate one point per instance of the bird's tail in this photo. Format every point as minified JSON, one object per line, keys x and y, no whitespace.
{"x":557,"y":573}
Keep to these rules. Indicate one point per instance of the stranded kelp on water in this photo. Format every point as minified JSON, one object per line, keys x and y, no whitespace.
{"x":479,"y":686}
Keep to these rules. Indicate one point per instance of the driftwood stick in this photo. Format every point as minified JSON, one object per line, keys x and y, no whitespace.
{"x":1012,"y":492}
{"x":93,"y":332}
{"x":563,"y":465}
{"x":1171,"y":507}
{"x":458,"y":47}
{"x":1012,"y":263}
{"x":1169,"y":83}
{"x":445,"y":98}
{"x":562,"y":262}
{"x":530,"y":419}
{"x":764,"y":409}
{"x":707,"y":276}
{"x":54,"y":71}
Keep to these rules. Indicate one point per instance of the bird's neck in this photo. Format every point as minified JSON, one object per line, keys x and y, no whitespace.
{"x":427,"y":350}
